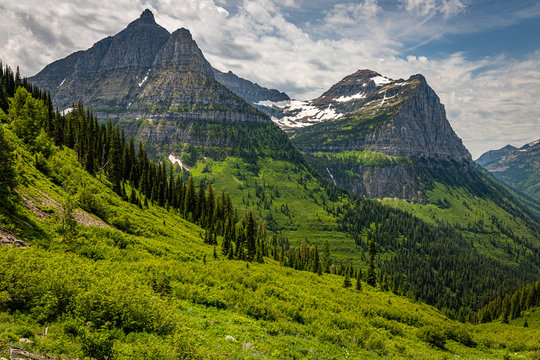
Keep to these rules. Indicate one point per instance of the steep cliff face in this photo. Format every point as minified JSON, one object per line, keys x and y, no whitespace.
{"x":155,"y":84}
{"x":399,"y":123}
{"x":419,"y":129}
{"x":247,"y":90}
{"x":517,"y":167}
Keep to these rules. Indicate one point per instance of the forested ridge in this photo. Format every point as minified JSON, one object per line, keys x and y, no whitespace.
{"x":511,"y":305}
{"x":104,"y":149}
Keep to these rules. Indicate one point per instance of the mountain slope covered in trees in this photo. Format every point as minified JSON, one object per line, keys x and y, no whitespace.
{"x":90,"y":271}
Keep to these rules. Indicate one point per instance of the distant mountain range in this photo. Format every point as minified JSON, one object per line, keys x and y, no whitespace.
{"x":517,"y":167}
{"x":367,"y":133}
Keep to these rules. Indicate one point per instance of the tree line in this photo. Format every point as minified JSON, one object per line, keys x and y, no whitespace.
{"x":510,"y":306}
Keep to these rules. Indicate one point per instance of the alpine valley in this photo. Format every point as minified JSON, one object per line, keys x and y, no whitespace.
{"x":155,"y":207}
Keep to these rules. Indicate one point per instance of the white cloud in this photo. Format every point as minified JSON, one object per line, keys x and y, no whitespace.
{"x":433,"y":7}
{"x":490,"y":102}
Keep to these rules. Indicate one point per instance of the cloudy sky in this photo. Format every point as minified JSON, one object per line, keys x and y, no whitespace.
{"x":481,"y":56}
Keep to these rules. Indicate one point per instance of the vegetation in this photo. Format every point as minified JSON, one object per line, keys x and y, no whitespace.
{"x":111,"y":270}
{"x":512,"y":305}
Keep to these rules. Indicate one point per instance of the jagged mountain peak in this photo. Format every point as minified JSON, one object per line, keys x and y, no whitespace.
{"x":357,"y":85}
{"x":147,"y":16}
{"x":144,"y":72}
{"x":182,"y":34}
{"x":146,"y":20}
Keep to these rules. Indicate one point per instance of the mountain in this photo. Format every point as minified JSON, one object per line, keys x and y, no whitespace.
{"x":256,"y":95}
{"x":157,"y":85}
{"x":519,"y":168}
{"x":247,"y":90}
{"x":374,"y":136}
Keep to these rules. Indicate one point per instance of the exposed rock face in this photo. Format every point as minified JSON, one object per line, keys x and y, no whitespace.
{"x":492,"y":156}
{"x":252,"y":93}
{"x":361,"y":82}
{"x":419,"y":129}
{"x":145,"y":73}
{"x":401,"y":122}
{"x":519,"y":168}
{"x":107,"y":73}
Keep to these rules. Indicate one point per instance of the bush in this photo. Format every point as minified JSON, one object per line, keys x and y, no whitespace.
{"x":97,"y":344}
{"x":433,"y":336}
{"x":461,"y":336}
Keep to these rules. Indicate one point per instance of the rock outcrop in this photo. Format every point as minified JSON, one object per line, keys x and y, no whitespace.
{"x":251,"y":92}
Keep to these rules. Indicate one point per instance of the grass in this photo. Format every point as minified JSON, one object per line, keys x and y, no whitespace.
{"x":154,"y":290}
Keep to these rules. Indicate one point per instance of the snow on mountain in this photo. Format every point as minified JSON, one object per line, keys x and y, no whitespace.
{"x":298,"y":114}
{"x":363,"y":88}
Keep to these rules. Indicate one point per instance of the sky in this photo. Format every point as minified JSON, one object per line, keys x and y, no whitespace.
{"x":482,"y":57}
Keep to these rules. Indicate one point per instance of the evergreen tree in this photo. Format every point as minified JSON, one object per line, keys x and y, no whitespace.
{"x":7,"y":170}
{"x":371,"y":276}
{"x":326,"y":257}
{"x":347,"y":281}
{"x":190,"y":199}
{"x":115,"y":172}
{"x":358,"y":280}
{"x":250,"y":236}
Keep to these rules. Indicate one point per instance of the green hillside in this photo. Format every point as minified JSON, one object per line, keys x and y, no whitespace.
{"x":143,"y":284}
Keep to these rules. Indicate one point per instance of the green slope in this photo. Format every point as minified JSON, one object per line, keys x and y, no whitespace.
{"x":156,"y":291}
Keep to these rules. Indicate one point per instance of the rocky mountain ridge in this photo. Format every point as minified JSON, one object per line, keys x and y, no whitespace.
{"x":398,"y":118}
{"x":517,"y":167}
{"x":247,"y":90}
{"x":155,"y":84}
{"x":383,"y":135}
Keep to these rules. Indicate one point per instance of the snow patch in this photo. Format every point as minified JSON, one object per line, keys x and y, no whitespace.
{"x":332,"y":176}
{"x":381,"y":80}
{"x":67,"y":111}
{"x":304,"y":114}
{"x":145,"y":77}
{"x":360,"y":95}
{"x":270,"y":103}
{"x":174,"y":160}
{"x":62,"y":83}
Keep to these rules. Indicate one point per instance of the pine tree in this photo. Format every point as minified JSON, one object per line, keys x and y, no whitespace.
{"x":347,"y":281}
{"x":7,"y":170}
{"x":371,"y":276}
{"x":358,"y":280}
{"x":115,"y":160}
{"x":190,"y":200}
{"x":250,"y":236}
{"x":326,"y":257}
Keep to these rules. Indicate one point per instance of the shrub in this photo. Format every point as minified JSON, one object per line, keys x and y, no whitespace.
{"x":460,"y":335}
{"x":97,"y":344}
{"x":433,"y":336}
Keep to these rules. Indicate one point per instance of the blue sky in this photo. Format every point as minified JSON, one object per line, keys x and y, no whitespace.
{"x":481,"y":57}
